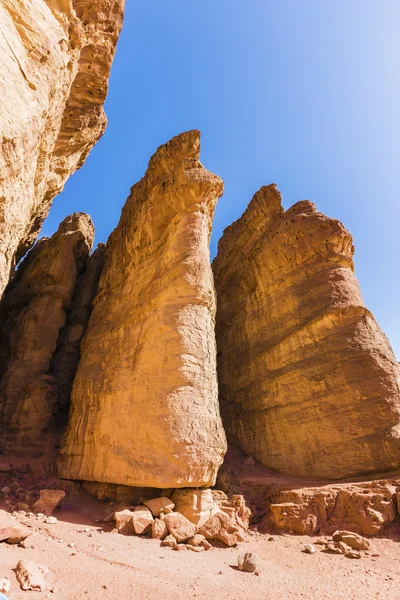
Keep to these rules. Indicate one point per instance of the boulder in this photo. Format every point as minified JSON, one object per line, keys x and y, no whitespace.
{"x":355,"y":541}
{"x":195,"y":505}
{"x":229,"y":522}
{"x":142,"y":520}
{"x":55,"y":63}
{"x":159,"y":529}
{"x":123,"y":521}
{"x":48,"y":501}
{"x":149,"y":349}
{"x":158,"y":505}
{"x":308,"y":383}
{"x":14,"y":535}
{"x":31,"y":576}
{"x":180,"y":527}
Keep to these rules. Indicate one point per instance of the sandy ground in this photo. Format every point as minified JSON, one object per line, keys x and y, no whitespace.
{"x":109,"y":566}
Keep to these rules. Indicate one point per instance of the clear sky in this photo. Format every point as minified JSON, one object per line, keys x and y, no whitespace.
{"x":305,"y":94}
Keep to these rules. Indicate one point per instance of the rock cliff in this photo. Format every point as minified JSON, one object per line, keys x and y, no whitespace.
{"x":32,"y":314}
{"x":308,"y":382}
{"x":55,"y":58}
{"x":144,"y":406}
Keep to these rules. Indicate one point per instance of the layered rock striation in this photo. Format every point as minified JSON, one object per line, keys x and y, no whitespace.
{"x":308,"y":382}
{"x":32,"y":314}
{"x":55,"y":58}
{"x":144,"y":406}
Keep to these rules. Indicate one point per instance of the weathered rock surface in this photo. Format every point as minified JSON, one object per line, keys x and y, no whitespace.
{"x":309,"y":385}
{"x":180,"y":527}
{"x":66,"y":357}
{"x":31,"y":576}
{"x":229,"y":522}
{"x":55,"y":61}
{"x":195,"y":505}
{"x":32,"y":313}
{"x":48,"y":501}
{"x":363,"y":508}
{"x":144,"y":401}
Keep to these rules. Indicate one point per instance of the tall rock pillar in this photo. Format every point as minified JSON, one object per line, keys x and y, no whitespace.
{"x":144,"y":401}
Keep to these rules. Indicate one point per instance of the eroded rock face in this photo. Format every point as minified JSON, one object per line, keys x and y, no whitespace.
{"x":32,"y":314}
{"x":66,"y":358}
{"x":309,"y":385}
{"x":55,"y":58}
{"x":144,"y":402}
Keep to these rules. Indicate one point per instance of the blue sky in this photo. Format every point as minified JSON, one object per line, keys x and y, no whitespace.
{"x":305,"y":94}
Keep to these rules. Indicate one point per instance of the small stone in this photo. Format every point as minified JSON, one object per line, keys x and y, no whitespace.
{"x":5,"y":585}
{"x":196,"y":540}
{"x":206,"y":545}
{"x":195,"y":548}
{"x":50,"y":520}
{"x":15,"y":487}
{"x":248,"y":562}
{"x":179,"y":547}
{"x":169,"y":541}
{"x":5,"y":490}
{"x":71,"y":545}
{"x":249,"y":461}
{"x":31,"y":575}
{"x":309,"y":549}
{"x":353,"y":554}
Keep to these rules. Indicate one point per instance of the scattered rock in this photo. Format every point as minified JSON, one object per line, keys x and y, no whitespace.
{"x":31,"y":576}
{"x":196,"y":540}
{"x":48,"y":501}
{"x":195,"y":548}
{"x":50,"y":520}
{"x":158,"y":505}
{"x":123,"y":521}
{"x":14,"y":535}
{"x":353,"y":554}
{"x":248,"y":562}
{"x":195,"y":505}
{"x":309,"y":549}
{"x":159,"y":529}
{"x":5,"y":490}
{"x":179,"y":547}
{"x":142,"y":520}
{"x":355,"y":541}
{"x":169,"y":541}
{"x":5,"y":586}
{"x":180,"y":527}
{"x":229,"y":523}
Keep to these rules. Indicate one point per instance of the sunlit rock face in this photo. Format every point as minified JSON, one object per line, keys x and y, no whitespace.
{"x":308,"y":382}
{"x":32,"y":314}
{"x":55,"y":59}
{"x":144,"y":406}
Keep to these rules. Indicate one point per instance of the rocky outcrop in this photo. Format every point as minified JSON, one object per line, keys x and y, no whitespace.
{"x":66,"y":358}
{"x":55,"y":58}
{"x":308,"y":382}
{"x":364,"y":508}
{"x":144,"y":407}
{"x":32,"y":314}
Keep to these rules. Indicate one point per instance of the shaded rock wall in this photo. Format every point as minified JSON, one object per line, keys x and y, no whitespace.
{"x":32,"y":314}
{"x":144,"y":406}
{"x":308,"y":382}
{"x":66,"y":357}
{"x":55,"y":58}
